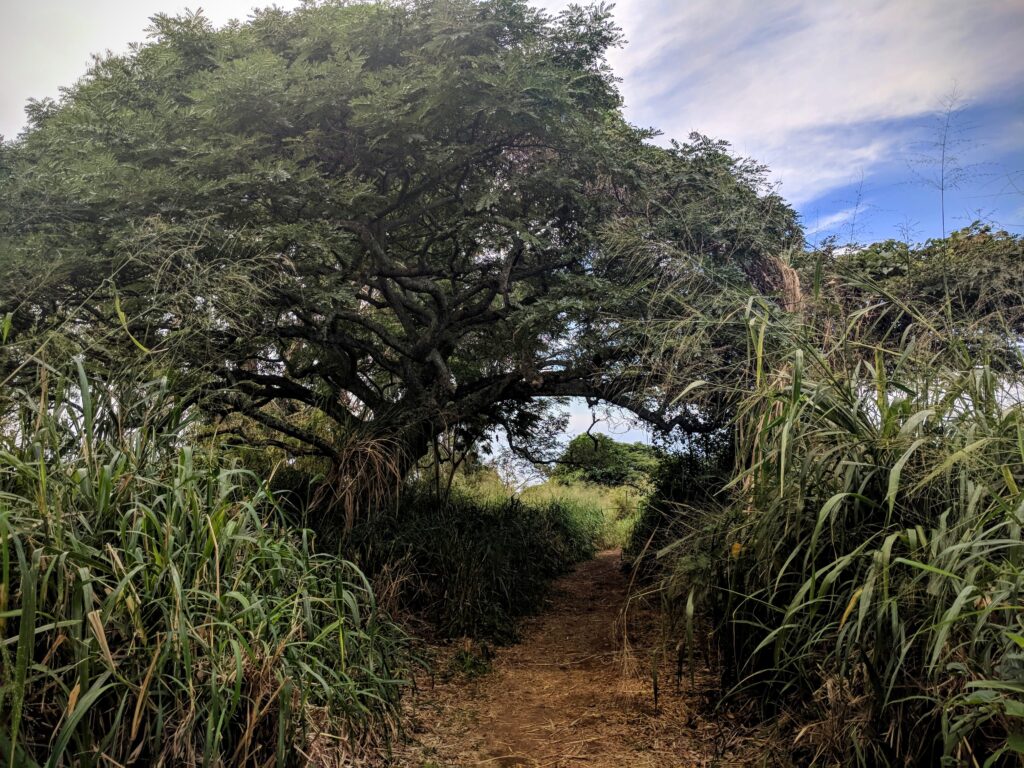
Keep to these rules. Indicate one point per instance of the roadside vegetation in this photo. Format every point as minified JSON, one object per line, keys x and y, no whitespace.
{"x":860,"y":568}
{"x":154,"y":608}
{"x":473,"y":565}
{"x":594,"y":471}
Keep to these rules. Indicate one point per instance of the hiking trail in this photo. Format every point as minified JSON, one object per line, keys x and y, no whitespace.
{"x":573,"y":692}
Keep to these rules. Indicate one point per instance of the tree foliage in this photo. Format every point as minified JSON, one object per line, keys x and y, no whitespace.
{"x":603,"y":460}
{"x":970,"y":283}
{"x":383,"y":221}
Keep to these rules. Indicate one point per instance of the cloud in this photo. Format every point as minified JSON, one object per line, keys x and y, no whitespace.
{"x":830,"y":223}
{"x":806,"y":85}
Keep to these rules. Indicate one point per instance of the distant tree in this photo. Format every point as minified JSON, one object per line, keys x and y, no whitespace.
{"x":372,"y":222}
{"x":600,"y":459}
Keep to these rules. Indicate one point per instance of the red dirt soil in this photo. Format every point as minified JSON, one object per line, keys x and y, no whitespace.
{"x":574,"y":692}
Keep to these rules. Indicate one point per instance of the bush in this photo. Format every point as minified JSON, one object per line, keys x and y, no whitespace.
{"x":687,"y":487}
{"x":154,"y":612}
{"x":475,"y":564}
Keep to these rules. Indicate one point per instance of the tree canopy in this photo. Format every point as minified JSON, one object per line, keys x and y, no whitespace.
{"x":385,"y":220}
{"x":603,"y":460}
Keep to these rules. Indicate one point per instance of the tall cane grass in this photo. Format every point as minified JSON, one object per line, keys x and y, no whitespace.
{"x":154,"y":611}
{"x":870,"y":569}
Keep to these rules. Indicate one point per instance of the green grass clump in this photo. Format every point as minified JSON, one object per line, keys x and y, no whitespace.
{"x":865,"y":566}
{"x":154,"y":611}
{"x":473,"y":565}
{"x":619,"y":506}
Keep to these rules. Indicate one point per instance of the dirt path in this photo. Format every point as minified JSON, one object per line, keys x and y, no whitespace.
{"x":568,"y":694}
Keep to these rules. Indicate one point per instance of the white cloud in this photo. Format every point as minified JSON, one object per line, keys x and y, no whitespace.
{"x":803,"y":84}
{"x":830,"y":223}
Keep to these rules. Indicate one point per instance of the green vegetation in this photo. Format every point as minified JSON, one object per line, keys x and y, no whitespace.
{"x":616,"y":507}
{"x":602,"y":460}
{"x":154,"y":610}
{"x":863,"y":567}
{"x":684,"y":499}
{"x":473,"y":565}
{"x":368,"y":224}
{"x":292,"y":273}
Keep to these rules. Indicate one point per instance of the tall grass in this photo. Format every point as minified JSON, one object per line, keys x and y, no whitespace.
{"x":154,"y":611}
{"x":619,"y":506}
{"x":473,"y":564}
{"x":867,"y":567}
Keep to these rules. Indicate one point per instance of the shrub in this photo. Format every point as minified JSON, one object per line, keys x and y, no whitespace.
{"x":687,"y":487}
{"x":619,"y":506}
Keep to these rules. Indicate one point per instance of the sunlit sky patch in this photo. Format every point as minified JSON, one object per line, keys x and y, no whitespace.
{"x":837,"y":98}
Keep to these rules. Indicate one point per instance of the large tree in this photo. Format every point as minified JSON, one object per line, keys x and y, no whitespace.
{"x":375,"y":220}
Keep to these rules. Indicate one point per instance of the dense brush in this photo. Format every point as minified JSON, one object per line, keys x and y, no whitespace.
{"x":864,"y":565}
{"x":153,"y":611}
{"x":473,"y":565}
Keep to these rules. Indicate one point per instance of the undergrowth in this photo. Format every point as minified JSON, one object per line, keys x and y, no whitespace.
{"x":155,"y":611}
{"x":471,"y":564}
{"x":619,"y":506}
{"x":685,"y":489}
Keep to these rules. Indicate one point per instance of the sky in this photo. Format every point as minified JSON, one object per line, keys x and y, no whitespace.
{"x":838,"y":97}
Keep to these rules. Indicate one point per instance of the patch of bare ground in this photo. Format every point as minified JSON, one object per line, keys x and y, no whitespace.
{"x":578,"y":690}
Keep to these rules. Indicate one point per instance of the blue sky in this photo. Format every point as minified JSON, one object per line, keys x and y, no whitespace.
{"x":836,"y":96}
{"x":839,"y":98}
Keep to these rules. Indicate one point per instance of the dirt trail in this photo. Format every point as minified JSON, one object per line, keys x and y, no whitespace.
{"x":568,"y":694}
